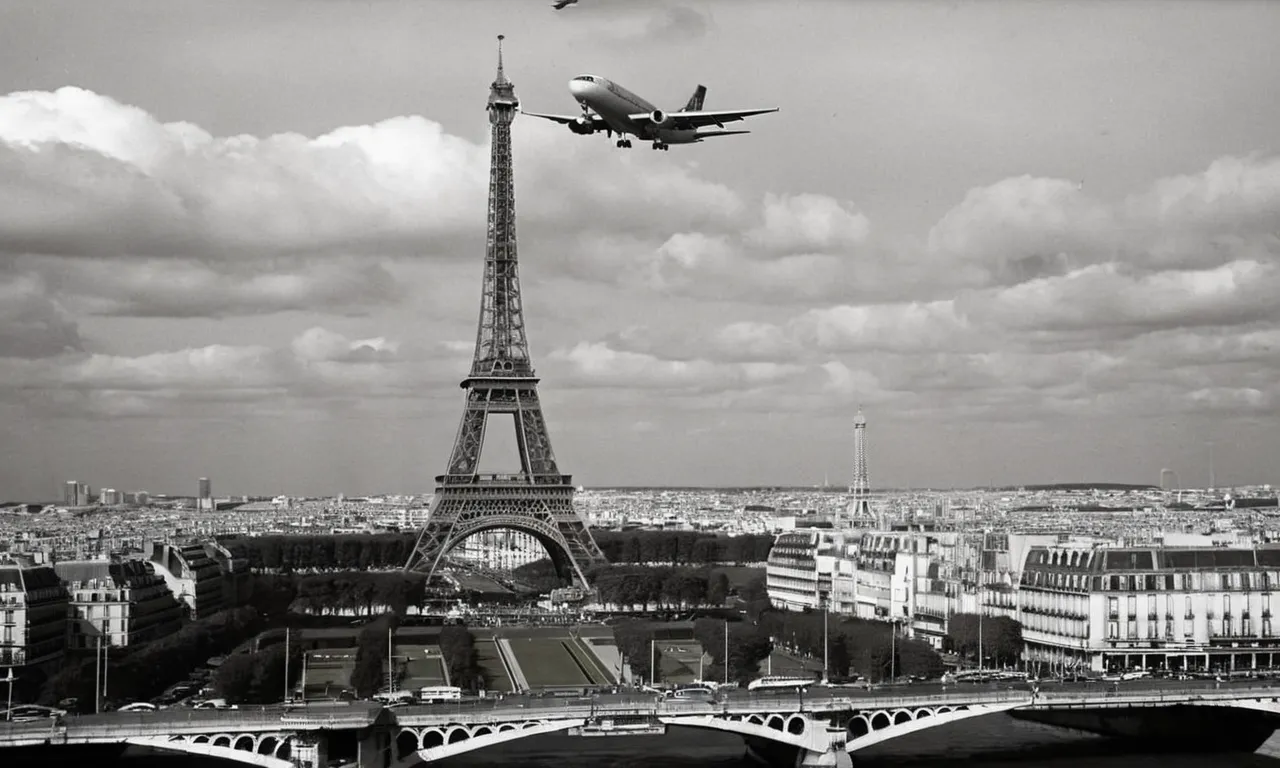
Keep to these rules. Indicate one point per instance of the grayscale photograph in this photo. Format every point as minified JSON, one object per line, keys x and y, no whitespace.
{"x":913,"y":369}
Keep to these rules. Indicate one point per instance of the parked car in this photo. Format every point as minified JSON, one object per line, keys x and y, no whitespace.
{"x":26,"y":713}
{"x":138,"y":706}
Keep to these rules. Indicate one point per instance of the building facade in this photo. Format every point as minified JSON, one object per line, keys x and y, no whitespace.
{"x":33,"y":615}
{"x":1085,"y":604}
{"x":1184,"y":609}
{"x":194,"y":577}
{"x":122,"y":602}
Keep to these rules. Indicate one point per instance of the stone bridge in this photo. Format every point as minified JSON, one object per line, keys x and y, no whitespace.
{"x":813,"y":729}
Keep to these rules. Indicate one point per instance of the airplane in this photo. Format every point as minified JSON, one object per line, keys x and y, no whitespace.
{"x":559,"y":4}
{"x":608,"y":107}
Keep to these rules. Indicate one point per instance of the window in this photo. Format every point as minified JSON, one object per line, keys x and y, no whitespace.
{"x":1113,"y":607}
{"x":1133,"y":606}
{"x":1113,"y":630}
{"x":1190,"y":612}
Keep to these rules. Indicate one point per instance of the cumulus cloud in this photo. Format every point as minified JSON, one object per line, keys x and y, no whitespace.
{"x":32,"y":323}
{"x":1042,"y":301}
{"x":318,"y":366}
{"x":173,"y":221}
{"x":1030,"y":297}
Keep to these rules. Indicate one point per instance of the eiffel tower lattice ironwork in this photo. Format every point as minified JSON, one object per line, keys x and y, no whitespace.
{"x":859,"y":509}
{"x":539,"y":499}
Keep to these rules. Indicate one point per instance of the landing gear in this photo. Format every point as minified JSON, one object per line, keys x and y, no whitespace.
{"x":623,"y":143}
{"x":662,"y":146}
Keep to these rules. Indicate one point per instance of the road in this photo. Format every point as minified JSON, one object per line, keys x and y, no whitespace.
{"x":815,"y":698}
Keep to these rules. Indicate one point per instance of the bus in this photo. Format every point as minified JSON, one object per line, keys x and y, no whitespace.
{"x":779,"y":683}
{"x":434,"y":694}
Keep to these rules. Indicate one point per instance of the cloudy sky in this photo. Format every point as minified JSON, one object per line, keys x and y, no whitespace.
{"x":1035,"y":241}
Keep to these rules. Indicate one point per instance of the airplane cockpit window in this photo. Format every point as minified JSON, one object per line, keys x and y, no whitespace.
{"x":585,"y":78}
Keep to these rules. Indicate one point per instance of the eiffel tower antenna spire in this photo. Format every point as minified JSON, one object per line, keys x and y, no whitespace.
{"x":502,"y":77}
{"x":537,"y":499}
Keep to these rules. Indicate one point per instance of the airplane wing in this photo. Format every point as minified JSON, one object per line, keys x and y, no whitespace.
{"x":713,"y":134}
{"x":597,"y":122}
{"x":559,"y":4}
{"x":688,"y":120}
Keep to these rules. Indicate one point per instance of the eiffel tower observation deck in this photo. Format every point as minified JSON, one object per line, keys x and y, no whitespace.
{"x":538,"y":499}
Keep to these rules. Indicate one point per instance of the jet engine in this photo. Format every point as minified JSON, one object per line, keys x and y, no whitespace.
{"x":659,"y":118}
{"x":582,"y":126}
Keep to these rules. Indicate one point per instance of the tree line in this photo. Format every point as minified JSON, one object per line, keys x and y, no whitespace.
{"x":294,"y":553}
{"x":628,"y":586}
{"x":143,"y":672}
{"x":362,"y":592}
{"x":855,"y":647}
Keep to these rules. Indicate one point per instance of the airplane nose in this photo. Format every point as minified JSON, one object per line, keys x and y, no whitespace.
{"x":579,"y":87}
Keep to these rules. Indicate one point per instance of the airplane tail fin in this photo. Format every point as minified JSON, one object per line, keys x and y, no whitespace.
{"x":695,"y":101}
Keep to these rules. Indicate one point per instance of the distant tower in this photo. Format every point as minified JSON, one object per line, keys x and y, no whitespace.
{"x":1168,"y":479}
{"x":859,"y":510}
{"x":205,"y":496}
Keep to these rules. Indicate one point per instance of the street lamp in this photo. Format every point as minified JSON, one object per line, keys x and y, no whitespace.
{"x":9,"y":678}
{"x":826,"y":645}
{"x":981,"y":610}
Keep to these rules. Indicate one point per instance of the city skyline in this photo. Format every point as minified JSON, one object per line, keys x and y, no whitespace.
{"x":1037,"y":243}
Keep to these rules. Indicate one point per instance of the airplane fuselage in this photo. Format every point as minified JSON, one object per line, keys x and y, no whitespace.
{"x":615,"y":105}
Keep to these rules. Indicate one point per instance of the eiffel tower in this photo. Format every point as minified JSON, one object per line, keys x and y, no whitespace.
{"x":858,"y":511}
{"x":538,"y":500}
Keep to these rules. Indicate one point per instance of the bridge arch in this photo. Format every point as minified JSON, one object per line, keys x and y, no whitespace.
{"x":440,"y":742}
{"x":208,"y":748}
{"x":408,"y":741}
{"x":867,"y":727}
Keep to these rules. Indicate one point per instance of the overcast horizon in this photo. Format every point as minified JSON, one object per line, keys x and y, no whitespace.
{"x":1037,"y":242}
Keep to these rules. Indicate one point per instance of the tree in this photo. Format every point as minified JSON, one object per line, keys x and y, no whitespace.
{"x":635,"y":641}
{"x":369,"y":672}
{"x":754,"y":590}
{"x":1001,"y":638}
{"x":458,"y":647}
{"x":234,"y":679}
{"x":718,"y":589}
{"x":748,"y":645}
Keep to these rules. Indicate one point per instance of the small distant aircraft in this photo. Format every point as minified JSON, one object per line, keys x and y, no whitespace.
{"x":608,"y":107}
{"x":559,"y":4}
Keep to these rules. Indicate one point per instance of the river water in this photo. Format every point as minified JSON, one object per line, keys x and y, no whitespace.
{"x":992,"y":742}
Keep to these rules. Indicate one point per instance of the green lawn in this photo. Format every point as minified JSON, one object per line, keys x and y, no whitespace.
{"x":546,"y":662}
{"x":495,"y":673}
{"x":425,"y":667}
{"x":328,"y":672}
